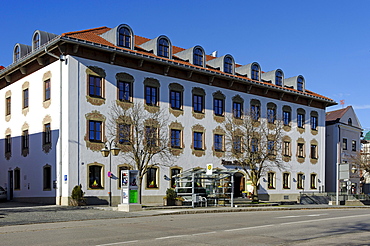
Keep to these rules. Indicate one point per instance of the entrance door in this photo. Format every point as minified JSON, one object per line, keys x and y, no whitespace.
{"x":239,"y":184}
{"x":10,"y":185}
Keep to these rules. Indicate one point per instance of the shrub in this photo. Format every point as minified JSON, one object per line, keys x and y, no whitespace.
{"x":77,"y":196}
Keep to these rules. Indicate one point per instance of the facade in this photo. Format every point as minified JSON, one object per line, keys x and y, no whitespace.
{"x":58,"y":92}
{"x":365,"y":159}
{"x":343,"y":132}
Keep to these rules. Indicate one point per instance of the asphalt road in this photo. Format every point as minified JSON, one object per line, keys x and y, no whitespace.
{"x":294,"y":227}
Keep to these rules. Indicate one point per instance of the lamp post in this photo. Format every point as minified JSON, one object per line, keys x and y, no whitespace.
{"x":109,"y":150}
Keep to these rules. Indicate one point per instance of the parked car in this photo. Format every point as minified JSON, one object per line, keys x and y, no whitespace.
{"x":2,"y":194}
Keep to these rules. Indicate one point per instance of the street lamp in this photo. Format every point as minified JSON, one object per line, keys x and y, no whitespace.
{"x":109,"y":150}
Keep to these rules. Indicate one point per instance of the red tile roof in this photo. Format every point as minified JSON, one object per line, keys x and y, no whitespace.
{"x":1,"y":67}
{"x":336,"y":114}
{"x":93,"y":35}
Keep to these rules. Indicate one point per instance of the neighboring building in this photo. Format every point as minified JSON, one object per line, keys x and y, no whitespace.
{"x":365,"y":159}
{"x":343,"y":133}
{"x":58,"y":92}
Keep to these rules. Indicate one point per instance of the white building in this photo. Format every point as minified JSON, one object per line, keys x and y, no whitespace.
{"x":343,"y":132}
{"x":57,"y":94}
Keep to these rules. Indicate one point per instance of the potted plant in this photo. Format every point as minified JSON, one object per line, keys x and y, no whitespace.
{"x":169,"y":199}
{"x":77,"y":196}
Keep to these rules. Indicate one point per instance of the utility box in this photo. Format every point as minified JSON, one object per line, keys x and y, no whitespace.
{"x":129,"y":191}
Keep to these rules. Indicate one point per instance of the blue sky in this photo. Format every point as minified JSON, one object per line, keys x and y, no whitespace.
{"x":328,"y":42}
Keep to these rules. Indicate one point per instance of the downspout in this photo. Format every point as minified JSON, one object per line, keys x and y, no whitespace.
{"x":59,"y":178}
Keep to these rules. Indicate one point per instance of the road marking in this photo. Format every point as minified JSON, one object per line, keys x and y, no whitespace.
{"x":160,"y":238}
{"x":335,"y":218}
{"x":134,"y":241}
{"x":297,"y":216}
{"x":247,"y":228}
{"x":291,"y":216}
{"x":203,"y":233}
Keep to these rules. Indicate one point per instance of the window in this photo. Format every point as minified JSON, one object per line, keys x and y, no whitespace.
{"x":300,"y":180}
{"x":237,"y":110}
{"x":286,"y":180}
{"x":16,"y":53}
{"x":279,"y":78}
{"x":300,"y":84}
{"x":151,"y":95}
{"x":8,"y":144}
{"x":95,"y":177}
{"x":36,"y":41}
{"x":17,"y":179}
{"x":300,"y":149}
{"x":198,"y":57}
{"x":95,"y":131}
{"x":218,"y":106}
{"x":8,"y":103}
{"x":25,"y":98}
{"x":175,"y":99}
{"x":255,"y":109}
{"x":313,"y":181}
{"x":218,"y":142}
{"x":271,"y":113}
{"x":271,"y":147}
{"x":313,"y":151}
{"x":151,"y":177}
{"x":300,"y":120}
{"x":349,"y":121}
{"x":254,"y":145}
{"x":47,"y":90}
{"x":95,"y":86}
{"x":271,"y":180}
{"x":286,"y":148}
{"x":163,"y":48}
{"x":47,"y":134}
{"x":353,"y":145}
{"x":174,"y":172}
{"x":151,"y":136}
{"x":344,"y":146}
{"x":314,"y":122}
{"x":47,"y":177}
{"x":198,"y":103}
{"x":198,"y":140}
{"x":175,"y":138}
{"x":124,"y":133}
{"x":228,"y":65}
{"x":25,"y":140}
{"x":255,"y":72}
{"x":237,"y":144}
{"x":124,"y":91}
{"x":287,"y":115}
{"x":124,"y":38}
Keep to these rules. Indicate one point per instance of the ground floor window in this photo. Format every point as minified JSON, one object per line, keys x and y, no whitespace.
{"x":95,"y":177}
{"x":47,"y":177}
{"x":313,"y":181}
{"x":271,"y":180}
{"x":174,"y":172}
{"x":300,"y":180}
{"x":286,"y":180}
{"x":151,"y":177}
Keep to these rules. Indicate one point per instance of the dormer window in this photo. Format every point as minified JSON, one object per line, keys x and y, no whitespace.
{"x":16,"y":53}
{"x":163,"y":48}
{"x":255,"y":72}
{"x":124,"y":37}
{"x":198,"y":57}
{"x":228,"y":65}
{"x":349,"y":121}
{"x":279,"y":78}
{"x":36,"y":41}
{"x":300,"y":84}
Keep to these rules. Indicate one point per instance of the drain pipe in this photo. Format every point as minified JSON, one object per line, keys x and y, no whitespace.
{"x":59,"y":176}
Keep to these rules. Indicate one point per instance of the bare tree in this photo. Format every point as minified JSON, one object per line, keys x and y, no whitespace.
{"x":143,"y":137}
{"x":254,"y":145}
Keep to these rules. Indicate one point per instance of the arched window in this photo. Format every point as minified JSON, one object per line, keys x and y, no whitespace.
{"x":163,"y":48}
{"x":124,"y":38}
{"x":228,"y":65}
{"x":300,"y":84}
{"x":16,"y":53}
{"x":36,"y":41}
{"x":255,"y":72}
{"x":279,"y":78}
{"x":198,"y":57}
{"x":349,"y":121}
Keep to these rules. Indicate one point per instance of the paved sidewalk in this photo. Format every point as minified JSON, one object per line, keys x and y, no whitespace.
{"x":14,"y":213}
